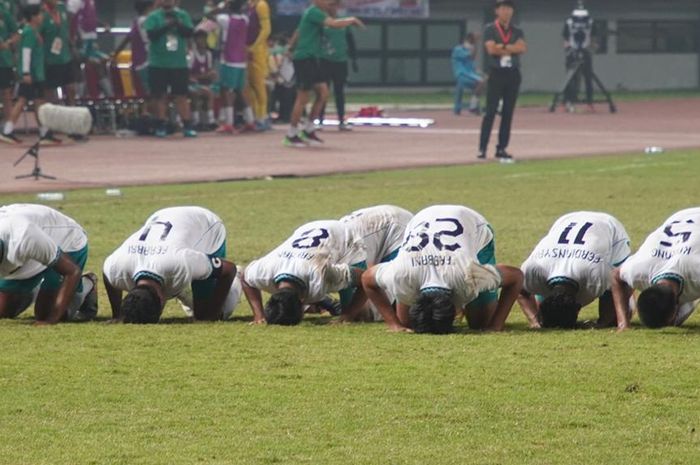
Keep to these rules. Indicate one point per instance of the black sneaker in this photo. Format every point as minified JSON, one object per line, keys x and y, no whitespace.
{"x":78,"y":137}
{"x":482,"y":155}
{"x":330,"y":305}
{"x":50,"y":139}
{"x":10,"y":139}
{"x":504,"y":157}
{"x":311,"y":138}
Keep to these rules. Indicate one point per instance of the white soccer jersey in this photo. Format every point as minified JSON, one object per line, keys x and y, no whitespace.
{"x":381,"y":229}
{"x":30,"y":239}
{"x":173,"y":247}
{"x":673,"y":250}
{"x":318,"y":256}
{"x":440,"y":250}
{"x":582,"y":248}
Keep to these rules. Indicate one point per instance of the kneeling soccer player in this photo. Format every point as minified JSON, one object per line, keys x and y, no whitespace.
{"x":571,"y":267}
{"x":319,"y":258}
{"x":381,"y":229}
{"x":666,"y":269}
{"x":42,"y":255}
{"x":446,"y":264}
{"x":178,"y":249}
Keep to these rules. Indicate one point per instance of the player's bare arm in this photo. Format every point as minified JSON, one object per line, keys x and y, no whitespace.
{"x":213,"y":309}
{"x":115,"y":299}
{"x":528,"y":303}
{"x":359,"y":298}
{"x":511,"y":285}
{"x":342,"y":23}
{"x":255,"y":301}
{"x":378,"y":297}
{"x":71,"y":278}
{"x":621,"y":292}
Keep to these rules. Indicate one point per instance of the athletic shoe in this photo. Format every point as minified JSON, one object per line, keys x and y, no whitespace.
{"x":161,"y":133}
{"x":226,"y":129}
{"x":311,"y":138}
{"x":50,"y":139}
{"x":248,"y":127}
{"x":475,"y":111}
{"x":295,"y":142}
{"x":88,"y":310}
{"x":330,"y":305}
{"x":78,"y":137}
{"x":343,"y":127}
{"x":10,"y":139}
{"x":504,"y":157}
{"x":482,"y":155}
{"x":189,"y":133}
{"x":261,"y":126}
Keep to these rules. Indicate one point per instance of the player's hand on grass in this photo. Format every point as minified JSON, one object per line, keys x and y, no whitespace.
{"x":113,"y":321}
{"x":42,"y":323}
{"x":258,"y":321}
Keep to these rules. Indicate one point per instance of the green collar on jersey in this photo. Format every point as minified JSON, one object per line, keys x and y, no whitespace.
{"x":292,"y":279}
{"x":435,"y":290}
{"x":563,"y":280}
{"x":676,"y":278}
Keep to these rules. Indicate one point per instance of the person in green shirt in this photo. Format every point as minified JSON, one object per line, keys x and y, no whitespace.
{"x":31,"y":69}
{"x":338,"y":49}
{"x":309,"y":73}
{"x":8,"y":37}
{"x":60,"y":69}
{"x":169,"y":29}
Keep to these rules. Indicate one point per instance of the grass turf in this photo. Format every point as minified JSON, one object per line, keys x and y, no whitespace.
{"x":231,"y":393}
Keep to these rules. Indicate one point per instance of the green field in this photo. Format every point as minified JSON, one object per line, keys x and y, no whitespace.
{"x":231,"y":393}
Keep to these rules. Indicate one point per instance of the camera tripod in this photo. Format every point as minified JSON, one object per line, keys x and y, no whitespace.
{"x":572,"y":74}
{"x":36,"y":172}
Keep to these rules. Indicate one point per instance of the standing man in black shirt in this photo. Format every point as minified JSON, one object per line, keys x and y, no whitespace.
{"x":504,"y":44}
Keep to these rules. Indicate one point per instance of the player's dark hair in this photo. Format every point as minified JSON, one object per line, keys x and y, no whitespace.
{"x":470,"y":37}
{"x":142,"y":6}
{"x":235,"y":6}
{"x":200,"y":33}
{"x":141,"y":306}
{"x":559,"y":310}
{"x":30,"y":11}
{"x":284,"y":308}
{"x":433,"y":313}
{"x":656,"y":304}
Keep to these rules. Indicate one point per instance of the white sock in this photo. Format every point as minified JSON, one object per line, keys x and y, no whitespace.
{"x":9,"y":127}
{"x":310,"y":126}
{"x":210,"y":116}
{"x":43,"y":130}
{"x":195,"y":117}
{"x":248,"y":115}
{"x":79,"y":297}
{"x":293,"y":131}
{"x":228,"y":115}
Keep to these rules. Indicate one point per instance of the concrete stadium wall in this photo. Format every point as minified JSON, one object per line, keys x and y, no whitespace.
{"x":542,"y":20}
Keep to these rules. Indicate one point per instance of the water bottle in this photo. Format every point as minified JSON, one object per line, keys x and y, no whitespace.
{"x":654,"y":150}
{"x":51,"y":196}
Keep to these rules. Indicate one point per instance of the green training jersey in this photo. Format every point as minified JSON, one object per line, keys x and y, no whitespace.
{"x":31,"y":55}
{"x":8,"y":26}
{"x":55,"y":29}
{"x":310,"y":32}
{"x":170,"y":49}
{"x":335,"y":44}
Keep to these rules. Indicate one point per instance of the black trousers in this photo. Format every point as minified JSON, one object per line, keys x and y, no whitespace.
{"x":337,"y":76}
{"x":503,"y":84}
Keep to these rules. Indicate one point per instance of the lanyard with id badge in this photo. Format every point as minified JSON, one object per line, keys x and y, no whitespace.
{"x":506,"y":60}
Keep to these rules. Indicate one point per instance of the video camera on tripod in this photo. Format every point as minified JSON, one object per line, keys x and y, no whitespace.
{"x":578,"y":35}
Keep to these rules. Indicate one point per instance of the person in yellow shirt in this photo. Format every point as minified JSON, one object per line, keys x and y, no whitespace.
{"x":258,"y":32}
